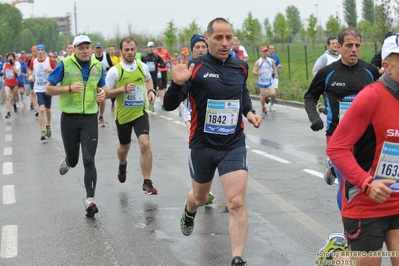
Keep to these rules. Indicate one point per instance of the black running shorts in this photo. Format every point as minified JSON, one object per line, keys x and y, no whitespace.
{"x":203,"y":162}
{"x":368,"y":234}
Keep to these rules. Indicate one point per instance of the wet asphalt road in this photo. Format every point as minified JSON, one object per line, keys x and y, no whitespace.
{"x":290,"y":208}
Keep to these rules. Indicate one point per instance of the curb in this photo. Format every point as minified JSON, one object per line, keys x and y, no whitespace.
{"x":280,"y":101}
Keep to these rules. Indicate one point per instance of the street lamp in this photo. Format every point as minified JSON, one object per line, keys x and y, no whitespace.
{"x":317,"y":16}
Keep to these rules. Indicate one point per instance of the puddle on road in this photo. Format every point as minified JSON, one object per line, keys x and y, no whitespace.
{"x":265,"y":142}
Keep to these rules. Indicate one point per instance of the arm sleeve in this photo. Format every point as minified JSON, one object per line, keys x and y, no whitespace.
{"x":359,"y":117}
{"x":160,"y":61}
{"x":57,"y":75}
{"x":246,"y":99}
{"x":316,"y":89}
{"x":53,"y":64}
{"x":175,"y":95}
{"x":101,"y":82}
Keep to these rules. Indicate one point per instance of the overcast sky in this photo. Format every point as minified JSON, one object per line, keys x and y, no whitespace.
{"x":152,"y":16}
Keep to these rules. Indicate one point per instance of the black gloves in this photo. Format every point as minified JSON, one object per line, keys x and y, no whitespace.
{"x":317,"y":125}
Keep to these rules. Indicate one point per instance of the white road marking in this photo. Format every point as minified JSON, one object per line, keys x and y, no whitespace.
{"x":165,"y":117}
{"x":316,"y":173}
{"x":313,"y":172}
{"x":7,"y":168}
{"x":8,"y":194}
{"x":268,"y":155}
{"x":9,"y":243}
{"x":8,"y":128}
{"x":7,"y":150}
{"x":180,"y":123}
{"x":8,"y":137}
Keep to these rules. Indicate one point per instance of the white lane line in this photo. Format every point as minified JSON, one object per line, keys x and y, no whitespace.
{"x":179,"y":122}
{"x":7,"y":168}
{"x":8,"y":194}
{"x":278,"y":159}
{"x":7,"y":150}
{"x":9,"y":243}
{"x":8,"y":128}
{"x":316,"y":173}
{"x":165,"y":117}
{"x":8,"y":137}
{"x":313,"y":172}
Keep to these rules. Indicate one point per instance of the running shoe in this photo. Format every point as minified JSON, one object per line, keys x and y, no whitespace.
{"x":112,"y":107}
{"x":267,"y":99}
{"x":237,"y":261}
{"x":329,"y":174}
{"x":44,"y":135}
{"x":101,"y":121}
{"x":211,"y":197}
{"x":8,"y":115}
{"x":272,"y":109}
{"x":31,"y":106}
{"x":91,"y":207}
{"x":148,"y":187}
{"x":64,"y":167}
{"x":122,"y":172}
{"x":264,"y":110}
{"x":36,"y":113}
{"x":15,"y":108}
{"x":334,"y":242}
{"x":48,"y":131}
{"x":187,"y":222}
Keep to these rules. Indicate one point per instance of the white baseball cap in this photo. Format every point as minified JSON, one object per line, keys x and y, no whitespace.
{"x":81,"y":39}
{"x":149,"y":44}
{"x":390,"y":46}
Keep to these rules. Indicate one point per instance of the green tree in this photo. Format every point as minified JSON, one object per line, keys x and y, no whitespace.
{"x":368,"y":10}
{"x":251,"y":29}
{"x":302,"y":34}
{"x":350,"y":14}
{"x":395,"y":7}
{"x":382,"y":21}
{"x":170,"y":34}
{"x":332,"y":26}
{"x":282,"y":27}
{"x":26,"y":40}
{"x":269,"y":30}
{"x":45,"y":31}
{"x":365,"y":28}
{"x":294,"y":19}
{"x":11,"y":26}
{"x":312,"y":28}
{"x":186,"y":33}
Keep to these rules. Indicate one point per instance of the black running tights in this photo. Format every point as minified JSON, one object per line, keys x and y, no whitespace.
{"x":76,"y":130}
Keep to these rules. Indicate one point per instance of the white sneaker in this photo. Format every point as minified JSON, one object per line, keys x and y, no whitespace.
{"x":64,"y":167}
{"x":272,"y":109}
{"x":91,"y":207}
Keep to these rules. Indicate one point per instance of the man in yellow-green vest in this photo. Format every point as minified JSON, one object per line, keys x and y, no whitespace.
{"x":130,"y":82}
{"x":82,"y":85}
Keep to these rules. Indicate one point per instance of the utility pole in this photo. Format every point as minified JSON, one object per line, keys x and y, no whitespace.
{"x":76,"y":22}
